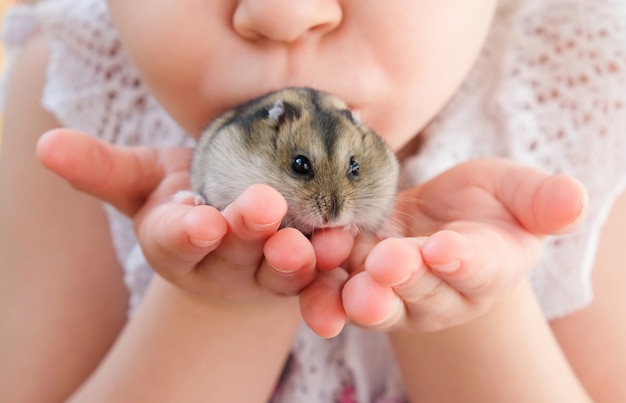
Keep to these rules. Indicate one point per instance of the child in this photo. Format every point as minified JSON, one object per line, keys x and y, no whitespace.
{"x":444,"y":314}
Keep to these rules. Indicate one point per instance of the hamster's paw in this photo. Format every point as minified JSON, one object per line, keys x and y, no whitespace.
{"x":189,"y":197}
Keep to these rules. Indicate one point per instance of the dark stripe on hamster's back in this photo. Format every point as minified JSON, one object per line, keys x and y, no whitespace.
{"x":320,"y":119}
{"x":327,"y":126}
{"x":328,"y":123}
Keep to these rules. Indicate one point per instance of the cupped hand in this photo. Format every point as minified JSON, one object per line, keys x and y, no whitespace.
{"x":237,"y":255}
{"x":471,"y":235}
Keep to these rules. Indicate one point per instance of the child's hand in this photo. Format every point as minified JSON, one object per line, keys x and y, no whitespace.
{"x":232,"y":256}
{"x":473,"y":233}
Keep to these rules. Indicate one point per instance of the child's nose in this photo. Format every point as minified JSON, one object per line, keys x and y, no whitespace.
{"x":285,"y":20}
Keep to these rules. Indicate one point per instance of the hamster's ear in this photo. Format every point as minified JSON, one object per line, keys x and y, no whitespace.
{"x":282,"y":111}
{"x":276,"y":111}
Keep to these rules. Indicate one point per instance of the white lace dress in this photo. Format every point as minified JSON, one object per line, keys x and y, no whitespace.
{"x":549,"y":90}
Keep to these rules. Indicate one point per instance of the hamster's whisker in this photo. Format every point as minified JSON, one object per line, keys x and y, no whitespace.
{"x":406,"y":222}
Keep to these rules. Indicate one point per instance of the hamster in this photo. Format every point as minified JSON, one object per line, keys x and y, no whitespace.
{"x":332,"y":170}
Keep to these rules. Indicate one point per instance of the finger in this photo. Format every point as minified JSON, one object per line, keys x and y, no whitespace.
{"x":176,"y":237}
{"x":398,"y":289}
{"x":122,"y":176}
{"x":363,"y":245}
{"x":496,"y":189}
{"x":332,"y":246}
{"x":558,"y":206}
{"x":252,"y":219}
{"x":543,"y":203}
{"x":289,"y":264}
{"x":480,"y":263}
{"x":370,"y":304}
{"x":398,"y":264}
{"x":321,"y":304}
{"x":394,"y":277}
{"x":393,"y":261}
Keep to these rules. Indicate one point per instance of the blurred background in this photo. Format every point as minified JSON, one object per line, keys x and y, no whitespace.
{"x":3,"y":4}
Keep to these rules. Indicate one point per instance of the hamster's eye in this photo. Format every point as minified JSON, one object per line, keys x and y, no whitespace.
{"x":301,"y":166}
{"x":353,"y":168}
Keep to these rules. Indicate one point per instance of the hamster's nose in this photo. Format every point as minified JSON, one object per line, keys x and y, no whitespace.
{"x":329,"y":207}
{"x":285,"y":20}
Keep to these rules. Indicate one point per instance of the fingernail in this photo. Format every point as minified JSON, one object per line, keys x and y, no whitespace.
{"x":200,"y":243}
{"x":262,"y":227}
{"x":396,"y":312}
{"x":447,"y":268}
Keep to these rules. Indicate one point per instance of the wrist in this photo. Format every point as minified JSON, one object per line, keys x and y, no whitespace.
{"x":176,"y":338}
{"x":505,"y":340}
{"x":260,"y":308}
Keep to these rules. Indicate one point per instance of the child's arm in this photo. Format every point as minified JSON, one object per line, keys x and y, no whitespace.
{"x":179,"y":348}
{"x":512,"y":354}
{"x":62,"y":299}
{"x":465,"y":325}
{"x":506,"y":355}
{"x":594,"y":338}
{"x":473,"y":233}
{"x":221,"y":325}
{"x":492,"y":221}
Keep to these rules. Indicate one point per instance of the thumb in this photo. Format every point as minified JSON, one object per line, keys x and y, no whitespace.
{"x":562,"y":203}
{"x":543,"y":203}
{"x":123,"y":176}
{"x":496,"y":189}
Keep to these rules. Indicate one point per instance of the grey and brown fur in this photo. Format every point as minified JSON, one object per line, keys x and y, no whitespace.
{"x":352,"y":175}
